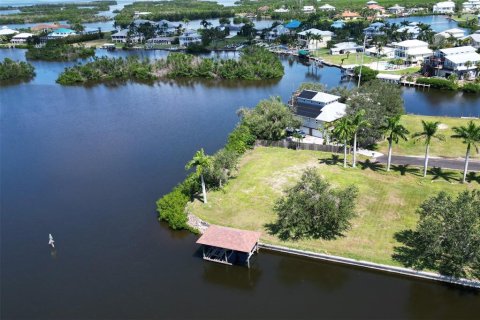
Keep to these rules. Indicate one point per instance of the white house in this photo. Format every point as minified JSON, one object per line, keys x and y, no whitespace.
{"x":384,"y":52}
{"x":471,"y":5}
{"x":412,"y":51}
{"x":412,"y":31}
{"x":311,"y":42}
{"x":281,"y":10}
{"x":308,"y":9}
{"x":123,"y":36}
{"x":474,"y":40}
{"x":21,"y":38}
{"x":444,"y":7}
{"x":189,"y":37}
{"x":454,"y":33}
{"x":374,"y":29}
{"x":371,"y":2}
{"x":276,"y":32}
{"x":315,"y":109}
{"x":326,"y":7}
{"x":6,"y":31}
{"x":396,"y":9}
{"x":61,"y":33}
{"x":459,"y":60}
{"x":345,"y":47}
{"x":166,"y":27}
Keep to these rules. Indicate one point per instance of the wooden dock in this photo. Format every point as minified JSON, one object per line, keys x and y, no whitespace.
{"x":414,"y":84}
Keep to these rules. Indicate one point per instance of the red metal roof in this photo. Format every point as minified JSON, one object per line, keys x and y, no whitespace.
{"x":229,"y":238}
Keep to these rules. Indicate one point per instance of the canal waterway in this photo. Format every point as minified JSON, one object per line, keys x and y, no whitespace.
{"x":87,"y":164}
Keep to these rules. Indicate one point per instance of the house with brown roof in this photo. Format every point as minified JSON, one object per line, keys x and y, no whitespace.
{"x":350,"y":15}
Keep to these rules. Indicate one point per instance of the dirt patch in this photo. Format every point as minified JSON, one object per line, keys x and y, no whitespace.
{"x":279,"y":180}
{"x":442,"y":126}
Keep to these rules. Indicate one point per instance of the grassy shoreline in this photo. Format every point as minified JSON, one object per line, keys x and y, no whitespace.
{"x":387,"y":201}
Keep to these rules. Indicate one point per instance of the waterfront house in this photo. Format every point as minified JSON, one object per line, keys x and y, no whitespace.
{"x":326,"y":7}
{"x":316,"y":109}
{"x":308,"y":38}
{"x":451,"y":34}
{"x":47,"y":27}
{"x":345,"y":47}
{"x":281,"y":10}
{"x":376,"y":7}
{"x":412,"y":30}
{"x":444,"y":7}
{"x":474,"y":40}
{"x":6,"y":31}
{"x":459,"y":60}
{"x":276,"y":32}
{"x":189,"y":37}
{"x":21,"y":38}
{"x":293,"y":25}
{"x":61,"y":33}
{"x":375,"y":29}
{"x":338,"y":24}
{"x":412,"y":51}
{"x":384,"y":52}
{"x":124,"y":35}
{"x":471,"y":6}
{"x":308,"y":9}
{"x":396,"y":9}
{"x":350,"y":15}
{"x":160,"y":40}
{"x":166,"y":28}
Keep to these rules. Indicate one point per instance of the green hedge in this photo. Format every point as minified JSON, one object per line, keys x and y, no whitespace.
{"x":438,"y":83}
{"x":471,"y":88}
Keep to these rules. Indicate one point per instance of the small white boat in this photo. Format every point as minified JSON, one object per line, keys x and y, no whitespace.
{"x":51,"y":242}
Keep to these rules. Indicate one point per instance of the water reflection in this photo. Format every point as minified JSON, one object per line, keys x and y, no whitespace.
{"x":231,"y":277}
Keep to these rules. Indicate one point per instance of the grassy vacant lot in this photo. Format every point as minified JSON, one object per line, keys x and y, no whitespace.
{"x":387,"y":202}
{"x":405,"y":71}
{"x":449,"y":148}
{"x":337,"y":59}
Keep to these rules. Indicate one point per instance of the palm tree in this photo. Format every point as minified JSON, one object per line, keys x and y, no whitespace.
{"x":200,"y":161}
{"x":430,"y":131}
{"x":343,"y":130}
{"x":358,"y":121}
{"x":308,"y":35}
{"x":470,"y":135}
{"x":395,"y":131}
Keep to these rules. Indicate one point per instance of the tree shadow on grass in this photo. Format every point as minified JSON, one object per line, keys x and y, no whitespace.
{"x":473,"y":177}
{"x":409,"y":254}
{"x":438,"y":174}
{"x":405,"y":168}
{"x":372,"y":165}
{"x":333,"y":160}
{"x":273,"y":229}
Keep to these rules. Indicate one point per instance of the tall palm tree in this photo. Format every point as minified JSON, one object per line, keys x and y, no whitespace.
{"x":394,"y":131}
{"x":358,"y":121}
{"x":200,"y":161}
{"x":430,"y":131}
{"x":470,"y":135}
{"x":342,"y":130}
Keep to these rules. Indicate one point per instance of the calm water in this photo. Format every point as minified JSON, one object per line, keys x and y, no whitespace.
{"x":438,"y":23}
{"x":87,"y":164}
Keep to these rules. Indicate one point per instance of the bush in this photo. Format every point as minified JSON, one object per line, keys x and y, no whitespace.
{"x":12,"y":70}
{"x":368,"y":74}
{"x":471,"y":87}
{"x":438,"y":83}
{"x":171,"y":208}
{"x":58,"y":51}
{"x":240,"y":139}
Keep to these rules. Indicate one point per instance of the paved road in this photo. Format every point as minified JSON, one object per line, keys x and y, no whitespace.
{"x":473,"y":165}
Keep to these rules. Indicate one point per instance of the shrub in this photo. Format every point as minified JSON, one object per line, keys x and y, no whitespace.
{"x":471,"y":87}
{"x":171,"y":208}
{"x":12,"y":70}
{"x":438,"y":83}
{"x":368,"y":74}
{"x":240,"y":139}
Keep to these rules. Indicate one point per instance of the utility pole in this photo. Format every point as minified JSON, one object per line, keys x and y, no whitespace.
{"x":361,"y":63}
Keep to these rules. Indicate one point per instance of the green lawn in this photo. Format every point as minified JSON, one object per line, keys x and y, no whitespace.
{"x":449,"y":148}
{"x":353,"y":58}
{"x":225,"y":42}
{"x":405,"y":71}
{"x":387,"y":202}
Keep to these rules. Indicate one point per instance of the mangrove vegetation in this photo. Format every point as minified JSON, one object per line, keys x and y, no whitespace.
{"x":15,"y":71}
{"x":254,"y":64}
{"x":59,"y":51}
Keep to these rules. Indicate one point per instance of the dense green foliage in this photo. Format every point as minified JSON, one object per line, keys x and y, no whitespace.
{"x":108,"y":69}
{"x":71,"y":12}
{"x":313,"y":209}
{"x":447,"y":237}
{"x":380,"y":100}
{"x":368,"y":74}
{"x":171,"y":208}
{"x":58,"y":51}
{"x":254,"y":64}
{"x":438,"y":83}
{"x":269,"y":119}
{"x":15,"y":71}
{"x":173,"y":10}
{"x":240,"y":139}
{"x":471,"y":87}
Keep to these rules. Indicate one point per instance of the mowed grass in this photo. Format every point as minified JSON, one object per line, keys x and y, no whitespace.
{"x":387,"y":202}
{"x":352,"y":58}
{"x":452,"y":148}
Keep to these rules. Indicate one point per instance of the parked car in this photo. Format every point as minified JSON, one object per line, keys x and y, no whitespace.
{"x":292,"y":131}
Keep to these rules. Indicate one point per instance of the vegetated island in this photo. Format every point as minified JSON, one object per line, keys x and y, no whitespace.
{"x":255,"y":63}
{"x":11,"y":71}
{"x":58,"y":51}
{"x":71,"y":12}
